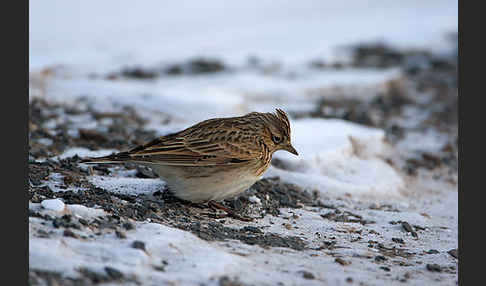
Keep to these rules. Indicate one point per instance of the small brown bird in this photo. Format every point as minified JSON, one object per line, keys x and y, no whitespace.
{"x":215,"y":159}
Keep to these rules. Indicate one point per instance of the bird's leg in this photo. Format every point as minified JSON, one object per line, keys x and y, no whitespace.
{"x":230,"y":213}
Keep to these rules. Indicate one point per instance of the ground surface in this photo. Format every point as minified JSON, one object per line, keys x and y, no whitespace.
{"x":371,"y":200}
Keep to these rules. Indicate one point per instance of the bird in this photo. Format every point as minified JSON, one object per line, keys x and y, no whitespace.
{"x":215,"y":159}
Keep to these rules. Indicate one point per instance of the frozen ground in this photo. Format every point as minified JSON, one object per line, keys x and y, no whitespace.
{"x":371,"y":200}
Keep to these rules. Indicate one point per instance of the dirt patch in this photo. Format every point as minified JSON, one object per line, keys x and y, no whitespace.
{"x":55,"y":127}
{"x":160,"y":208}
{"x":249,"y":235}
{"x":345,"y":216}
{"x":273,"y":195}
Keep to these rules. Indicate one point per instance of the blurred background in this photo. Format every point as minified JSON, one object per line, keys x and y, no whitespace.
{"x":113,"y":33}
{"x":213,"y":58}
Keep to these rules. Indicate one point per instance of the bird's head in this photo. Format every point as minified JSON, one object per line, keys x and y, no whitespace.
{"x":277,"y":132}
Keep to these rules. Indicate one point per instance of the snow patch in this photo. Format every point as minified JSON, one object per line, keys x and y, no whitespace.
{"x":336,"y":156}
{"x":84,"y":152}
{"x":54,"y":205}
{"x":131,"y":186}
{"x":183,"y":250}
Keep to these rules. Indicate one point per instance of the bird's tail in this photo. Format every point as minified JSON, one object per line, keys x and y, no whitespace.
{"x":113,"y":158}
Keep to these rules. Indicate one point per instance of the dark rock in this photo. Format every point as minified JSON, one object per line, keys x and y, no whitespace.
{"x":380,"y":258}
{"x":138,"y":245}
{"x":94,"y":276}
{"x":307,"y":275}
{"x":342,"y":261}
{"x":454,"y":253}
{"x":69,"y":233}
{"x":227,"y":281}
{"x":120,"y":234}
{"x":434,"y":267}
{"x":113,"y":273}
{"x":407,"y":227}
{"x":139,"y":73}
{"x":398,"y":240}
{"x":129,"y":226}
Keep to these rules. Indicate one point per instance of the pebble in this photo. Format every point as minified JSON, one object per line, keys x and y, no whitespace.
{"x":342,"y":261}
{"x":307,"y":275}
{"x":139,"y":245}
{"x":434,"y":267}
{"x":54,"y":205}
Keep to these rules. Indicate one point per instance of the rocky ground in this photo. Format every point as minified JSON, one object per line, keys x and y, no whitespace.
{"x":298,"y":236}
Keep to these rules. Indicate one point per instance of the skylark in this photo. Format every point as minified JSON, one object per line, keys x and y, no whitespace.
{"x":215,"y":159}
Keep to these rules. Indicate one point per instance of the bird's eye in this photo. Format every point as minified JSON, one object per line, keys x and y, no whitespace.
{"x":276,"y":139}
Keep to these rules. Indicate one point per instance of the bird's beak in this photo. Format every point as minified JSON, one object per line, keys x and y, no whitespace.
{"x":291,"y":149}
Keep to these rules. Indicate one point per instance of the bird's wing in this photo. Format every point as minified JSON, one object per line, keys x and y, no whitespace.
{"x":213,"y":147}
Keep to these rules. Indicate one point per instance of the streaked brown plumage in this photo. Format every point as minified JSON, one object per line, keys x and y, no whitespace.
{"x":216,"y":158}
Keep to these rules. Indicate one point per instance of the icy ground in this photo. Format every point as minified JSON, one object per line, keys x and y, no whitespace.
{"x":362,"y":204}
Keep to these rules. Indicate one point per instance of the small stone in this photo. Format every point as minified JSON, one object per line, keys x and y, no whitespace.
{"x":407,"y":227}
{"x":159,"y":268}
{"x":42,"y":233}
{"x":138,"y":245}
{"x":398,"y":240}
{"x":54,"y":205}
{"x":69,"y":233}
{"x":288,"y":226}
{"x":128,"y":226}
{"x":380,"y":258}
{"x":94,"y":276}
{"x":120,"y":234}
{"x":432,"y":251}
{"x":434,"y":267}
{"x":307,"y":275}
{"x":454,"y":253}
{"x":342,"y":261}
{"x":387,"y":269}
{"x":113,"y":273}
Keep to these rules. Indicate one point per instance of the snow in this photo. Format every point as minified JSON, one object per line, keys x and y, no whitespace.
{"x":79,"y":211}
{"x":255,"y":200}
{"x":190,"y":260}
{"x":84,"y":152}
{"x":329,"y":161}
{"x":55,"y":205}
{"x":182,"y":249}
{"x":128,"y":185}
